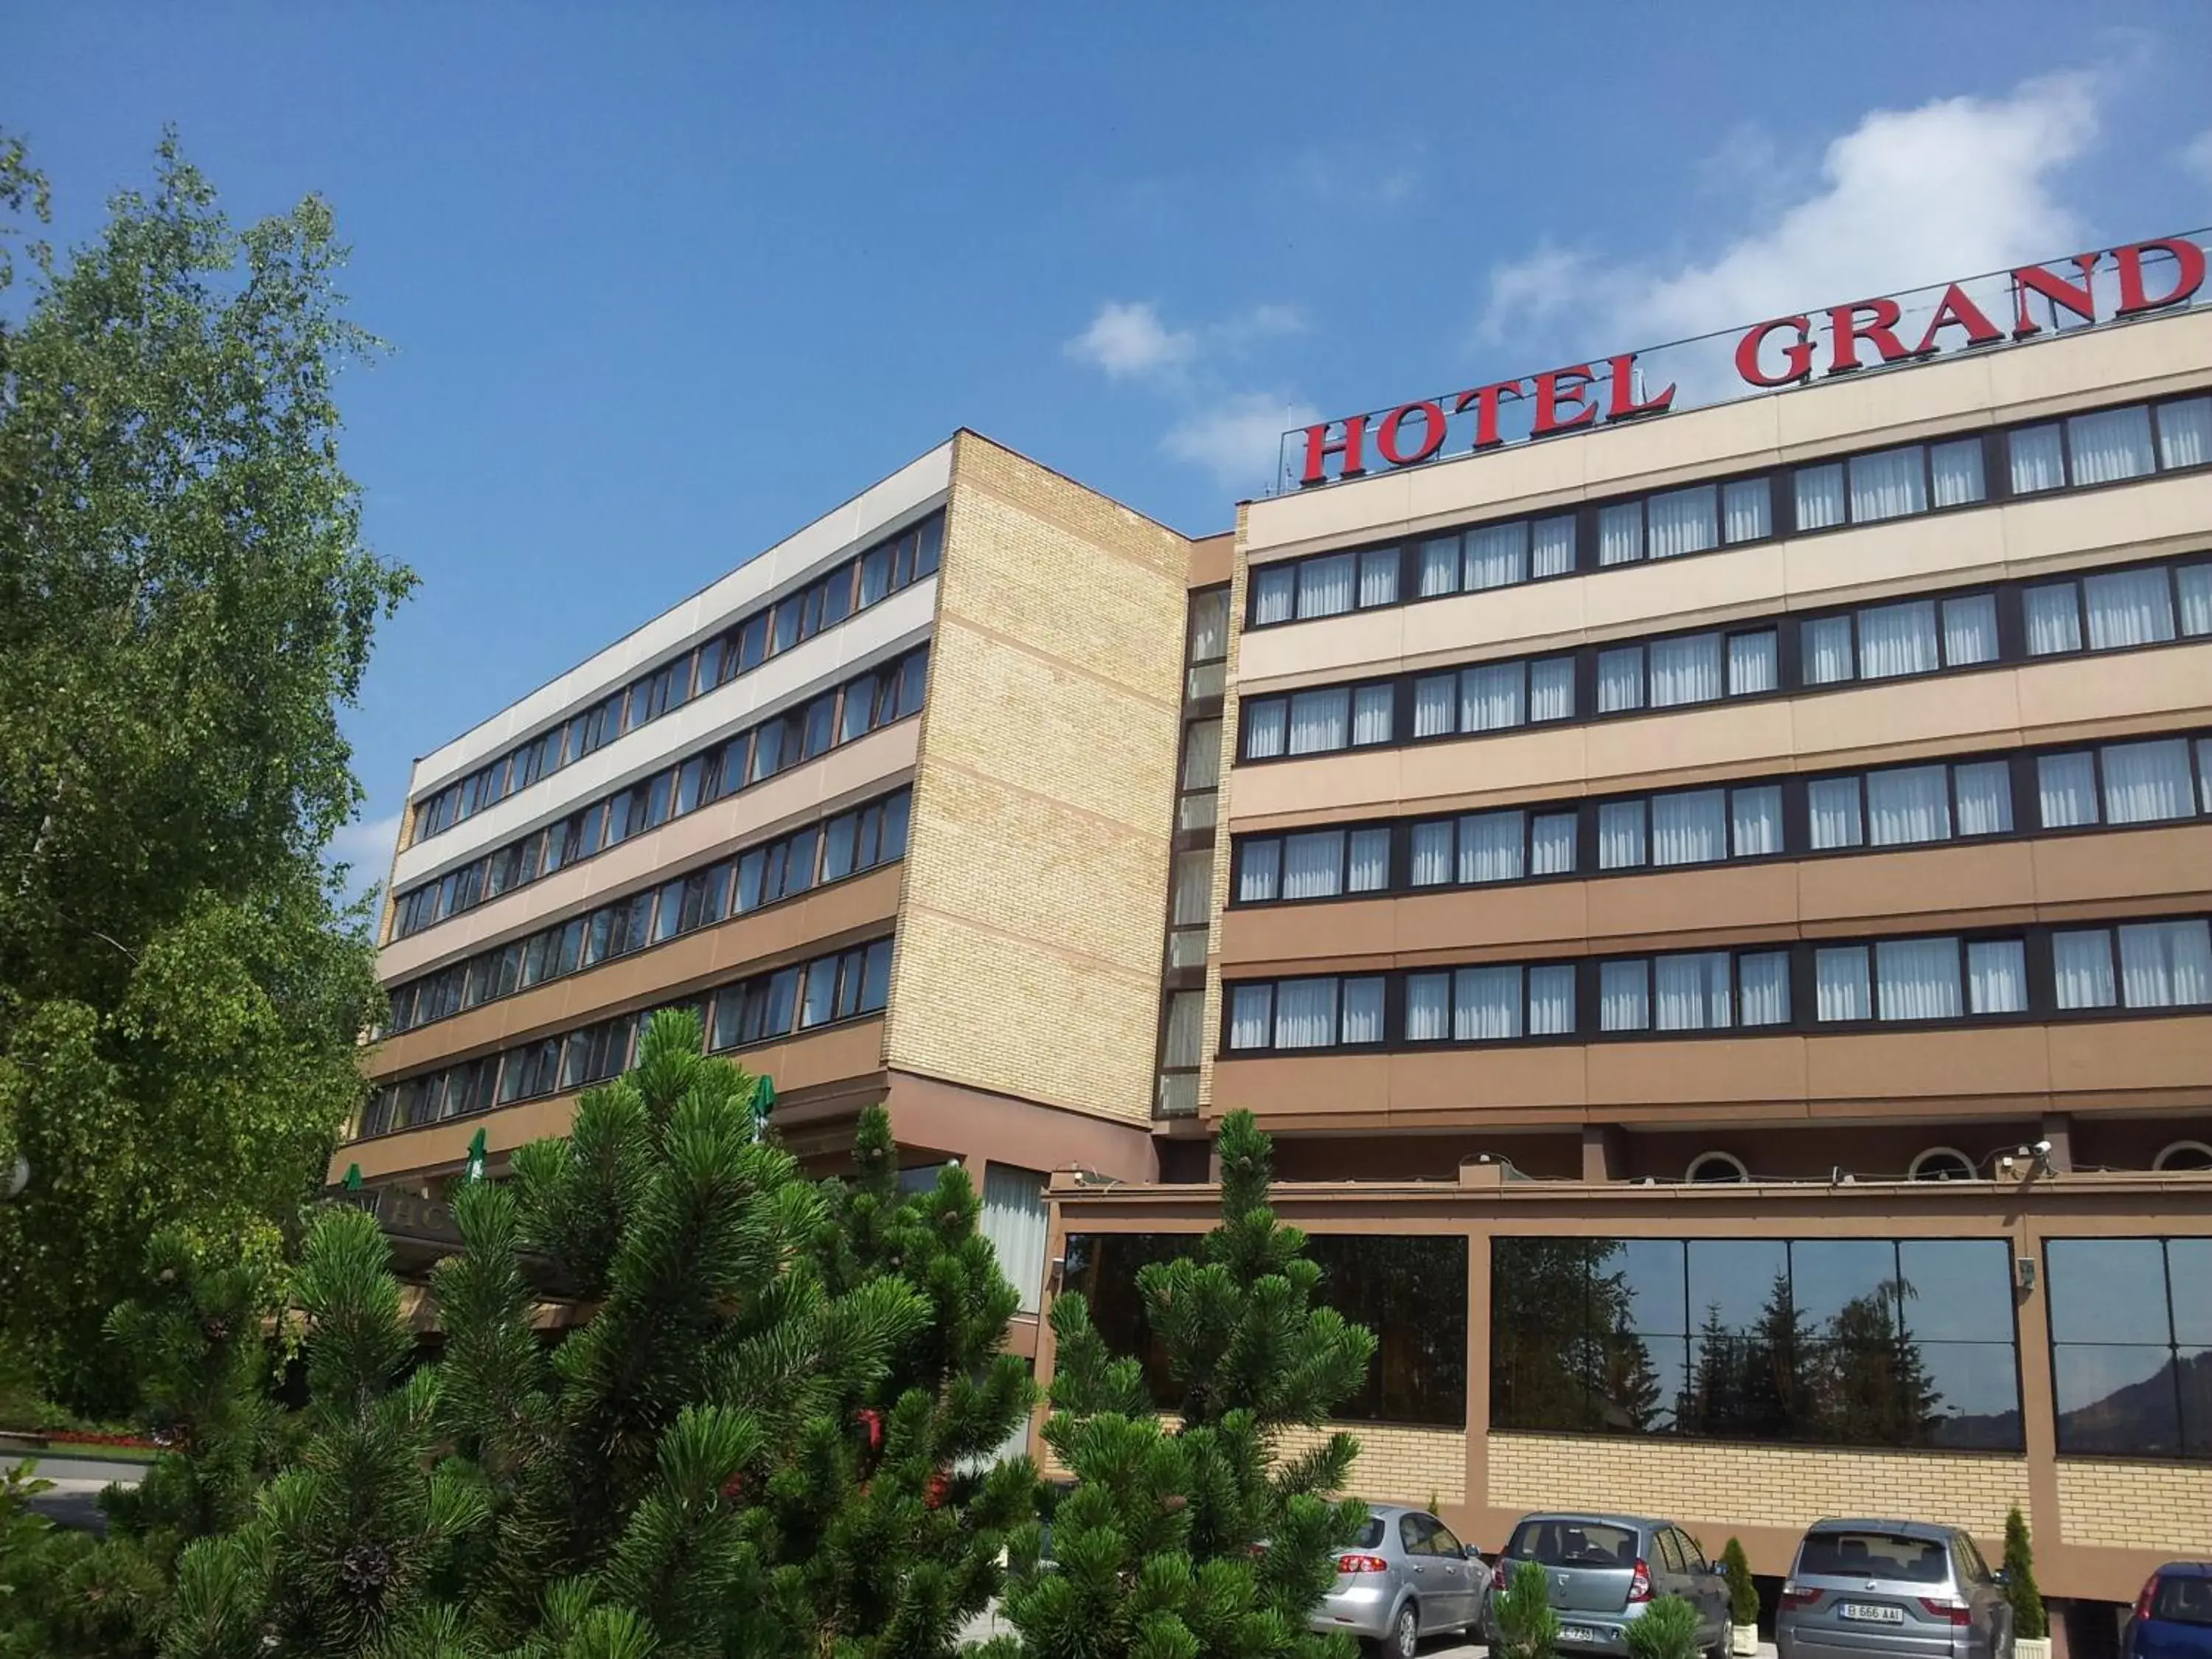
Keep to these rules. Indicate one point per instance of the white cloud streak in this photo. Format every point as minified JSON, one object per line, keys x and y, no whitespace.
{"x":1129,"y":341}
{"x":1237,"y":437}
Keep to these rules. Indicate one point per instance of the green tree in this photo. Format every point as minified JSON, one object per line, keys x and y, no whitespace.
{"x":2031,"y":1621}
{"x":1205,"y":1539}
{"x":1871,"y":1385}
{"x":1527,"y":1627}
{"x":186,"y":602}
{"x":1743,"y":1592}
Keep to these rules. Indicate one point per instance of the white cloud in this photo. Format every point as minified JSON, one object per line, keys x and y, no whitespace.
{"x":1907,"y":196}
{"x":2196,"y":155}
{"x":1239,"y":436}
{"x":365,"y":846}
{"x":1129,"y":341}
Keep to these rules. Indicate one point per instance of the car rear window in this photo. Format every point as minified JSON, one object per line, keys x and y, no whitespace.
{"x":1865,"y":1553}
{"x":1573,"y":1544}
{"x":1370,"y":1534}
{"x":2183,"y":1601}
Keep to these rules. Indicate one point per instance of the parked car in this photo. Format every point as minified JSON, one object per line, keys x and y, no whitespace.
{"x":2173,"y":1618}
{"x":1891,"y":1589}
{"x":1404,"y":1576}
{"x":1604,"y":1570}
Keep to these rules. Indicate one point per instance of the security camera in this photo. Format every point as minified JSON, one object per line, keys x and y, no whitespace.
{"x":2041,"y":1149}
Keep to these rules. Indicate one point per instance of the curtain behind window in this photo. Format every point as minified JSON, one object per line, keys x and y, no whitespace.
{"x":1826,"y":644}
{"x":1433,"y":854}
{"x":1957,"y":470}
{"x":1325,"y":585}
{"x":1690,"y":992}
{"x":1746,"y":511}
{"x":1996,"y":976}
{"x":2066,"y":790}
{"x":2184,"y":433}
{"x":1013,"y":1219}
{"x":2165,"y":964}
{"x":1247,"y":1016}
{"x":1490,"y":698}
{"x":1820,"y":496}
{"x":1490,"y":847}
{"x":1686,"y":670}
{"x":1378,"y":576}
{"x":1371,"y":710}
{"x":2054,"y":619}
{"x":1619,"y":679}
{"x":1486,"y":1004}
{"x":1689,"y":829}
{"x":1274,"y":589}
{"x":2195,"y":582}
{"x":1917,"y":978}
{"x":1764,"y":979}
{"x":2147,"y":781}
{"x":1439,"y":566}
{"x":1259,"y":867}
{"x":1554,"y":551}
{"x":1840,"y":988}
{"x":2081,"y":963}
{"x":2039,"y":459}
{"x":1621,"y":533}
{"x":1320,"y":722}
{"x":1888,"y":485}
{"x":1371,"y":860}
{"x":1496,"y":556}
{"x":1683,"y":521}
{"x":1755,"y":816}
{"x":1433,"y":701}
{"x":1311,"y":864}
{"x":1551,"y":688}
{"x":2111,"y":445}
{"x":1754,"y":663}
{"x":1264,"y":724}
{"x":1363,"y":1010}
{"x":1907,"y":804}
{"x":1897,"y":639}
{"x":1428,"y":1007}
{"x":1623,"y":997}
{"x":1984,"y":792}
{"x":1305,"y":1013}
{"x":1551,"y":1000}
{"x":1969,"y":630}
{"x":2127,"y":607}
{"x":1552,"y":844}
{"x":1619,"y":834}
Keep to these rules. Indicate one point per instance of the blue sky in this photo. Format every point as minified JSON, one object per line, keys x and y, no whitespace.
{"x":665,"y":282}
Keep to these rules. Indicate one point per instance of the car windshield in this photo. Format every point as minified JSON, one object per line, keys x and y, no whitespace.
{"x":1559,"y":1543}
{"x":1863,"y":1553}
{"x":1370,"y":1534}
{"x":2183,"y":1601}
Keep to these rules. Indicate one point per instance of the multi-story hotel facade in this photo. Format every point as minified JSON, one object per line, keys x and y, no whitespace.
{"x":1712,"y":907}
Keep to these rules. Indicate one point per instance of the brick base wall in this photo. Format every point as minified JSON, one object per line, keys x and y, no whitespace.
{"x":2144,"y":1506}
{"x":1396,"y":1465}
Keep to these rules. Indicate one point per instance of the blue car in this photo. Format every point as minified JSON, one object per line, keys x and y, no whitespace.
{"x":2173,"y":1618}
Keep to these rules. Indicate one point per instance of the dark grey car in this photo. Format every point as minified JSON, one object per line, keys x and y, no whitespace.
{"x":1891,"y":1589}
{"x":1604,"y":1570}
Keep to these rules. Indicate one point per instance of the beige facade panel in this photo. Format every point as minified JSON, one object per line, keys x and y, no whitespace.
{"x":816,"y":1060}
{"x":1037,"y":859}
{"x":856,"y":771}
{"x":2026,"y":704}
{"x":2150,"y":358}
{"x":823,"y":920}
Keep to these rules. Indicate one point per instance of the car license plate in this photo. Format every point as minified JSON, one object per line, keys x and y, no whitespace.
{"x":1868,"y":1612}
{"x":1576,"y":1633}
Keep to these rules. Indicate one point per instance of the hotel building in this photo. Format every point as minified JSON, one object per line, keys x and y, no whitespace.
{"x":1712,"y":909}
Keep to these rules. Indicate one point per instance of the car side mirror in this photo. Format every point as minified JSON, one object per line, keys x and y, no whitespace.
{"x":1472,"y":1551}
{"x":2002,"y":1577}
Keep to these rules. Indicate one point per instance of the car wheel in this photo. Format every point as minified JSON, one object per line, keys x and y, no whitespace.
{"x":1405,"y":1633}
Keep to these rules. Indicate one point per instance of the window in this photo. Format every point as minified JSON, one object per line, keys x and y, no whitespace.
{"x":2162,"y":965}
{"x":2148,"y":605}
{"x":1674,"y":1336}
{"x":2130,"y":1320}
{"x":1716,"y":1166}
{"x":2183,"y":1155}
{"x":1306,"y":1013}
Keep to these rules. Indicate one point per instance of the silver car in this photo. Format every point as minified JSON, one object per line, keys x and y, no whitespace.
{"x":1604,"y":1570}
{"x":1891,"y":1589}
{"x":1404,"y":1577}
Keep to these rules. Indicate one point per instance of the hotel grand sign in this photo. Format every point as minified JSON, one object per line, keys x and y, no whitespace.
{"x":2113,"y":285}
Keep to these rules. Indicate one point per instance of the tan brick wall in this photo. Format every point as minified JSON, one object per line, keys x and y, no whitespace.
{"x":1239,"y":579}
{"x":1028,"y":959}
{"x":1395,"y":1465}
{"x":2144,"y":1506}
{"x":1783,"y":1486}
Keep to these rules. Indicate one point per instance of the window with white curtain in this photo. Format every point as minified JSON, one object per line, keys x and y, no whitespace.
{"x":1435,"y":700}
{"x":1491,"y":697}
{"x":1955,"y":472}
{"x":1755,"y":821}
{"x":1820,"y":496}
{"x":2127,"y":607}
{"x":1553,"y":551}
{"x":1191,"y":893}
{"x":2195,"y":582}
{"x":2184,"y":433}
{"x":1325,"y":585}
{"x":1898,"y":639}
{"x":1259,"y":870}
{"x":1763,"y":981}
{"x":1619,"y":834}
{"x":1312,"y":864}
{"x":1552,"y":1000}
{"x":1833,"y":808}
{"x":1620,"y":679}
{"x":1496,"y":556}
{"x":1917,"y":978}
{"x":1984,"y":789}
{"x":1433,"y":854}
{"x":1487,"y":1004}
{"x":1754,"y":663}
{"x":1320,"y":720}
{"x":1490,"y":847}
{"x":1184,"y":1043}
{"x":1690,"y":992}
{"x":1970,"y":630}
{"x":2145,"y":782}
{"x":1996,"y":976}
{"x":2066,"y":790}
{"x":1684,"y":521}
{"x":2054,"y":618}
{"x":1908,"y":804}
{"x":1267,"y":722}
{"x":1363,"y":1010}
{"x":2039,"y":459}
{"x":2111,"y":445}
{"x":1201,"y":756}
{"x":1690,"y":828}
{"x":1371,"y":710}
{"x":1439,"y":566}
{"x":1624,"y":996}
{"x":1209,"y":626}
{"x":2204,"y":774}
{"x":1687,"y":670}
{"x":1013,"y":1219}
{"x":2082,"y":967}
{"x":1621,"y":533}
{"x":1274,"y":593}
{"x":1368,"y":869}
{"x":1841,"y":989}
{"x":1746,"y":511}
{"x":1378,"y":577}
{"x":1428,"y":1007}
{"x":2165,"y":964}
{"x":1888,"y":485}
{"x":1305,"y":1013}
{"x":1551,"y":843}
{"x":1250,"y":1015}
{"x":1552,"y":688}
{"x":1825,"y":643}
